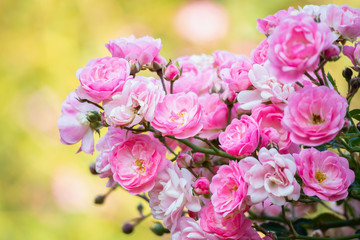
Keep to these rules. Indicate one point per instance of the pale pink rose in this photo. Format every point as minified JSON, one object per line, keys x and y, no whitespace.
{"x":102,"y":77}
{"x":171,"y":193}
{"x":136,"y":103}
{"x":224,"y":59}
{"x":197,"y":75}
{"x":172,"y":72}
{"x":113,"y":137}
{"x":314,"y":115}
{"x":74,"y":125}
{"x":234,"y":226}
{"x":143,"y":49}
{"x":344,"y":19}
{"x":272,"y":176}
{"x":236,"y":76}
{"x":324,"y":174}
{"x":266,"y":207}
{"x":353,"y":53}
{"x":241,"y":137}
{"x":259,"y":54}
{"x":189,"y":229}
{"x":214,"y":115}
{"x":267,"y":87}
{"x":201,"y":186}
{"x":267,"y":25}
{"x":269,"y":118}
{"x":179,"y":115}
{"x":229,"y":189}
{"x":184,"y":160}
{"x":136,"y":162}
{"x":296,"y":45}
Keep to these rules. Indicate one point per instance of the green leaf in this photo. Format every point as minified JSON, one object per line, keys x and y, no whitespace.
{"x":322,"y":148}
{"x":331,"y":79}
{"x":301,"y":225}
{"x":325,"y":217}
{"x":279,"y":229}
{"x":354,"y":112}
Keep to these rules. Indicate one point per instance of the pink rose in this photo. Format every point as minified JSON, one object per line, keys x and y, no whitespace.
{"x":143,"y":49}
{"x":171,"y":193}
{"x":136,"y":162}
{"x":314,"y":115}
{"x":136,"y":103}
{"x":189,"y":229}
{"x":74,"y":125}
{"x":179,"y":115}
{"x":296,"y":45}
{"x":267,"y":25}
{"x":269,"y":118}
{"x":259,"y":54}
{"x":234,"y":226}
{"x":324,"y":174}
{"x":272,"y":176}
{"x":102,"y":77}
{"x":229,"y":189}
{"x":344,"y":19}
{"x":214,"y":115}
{"x":237,"y":75}
{"x":197,"y":75}
{"x":241,"y":137}
{"x":353,"y":53}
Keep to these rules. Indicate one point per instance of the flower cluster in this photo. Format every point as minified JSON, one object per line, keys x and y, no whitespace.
{"x":218,"y":144}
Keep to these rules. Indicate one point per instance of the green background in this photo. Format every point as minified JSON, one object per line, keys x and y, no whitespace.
{"x":46,"y":190}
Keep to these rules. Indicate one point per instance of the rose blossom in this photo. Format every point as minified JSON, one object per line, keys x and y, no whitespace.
{"x":179,"y":115}
{"x":189,"y":229}
{"x":143,"y":49}
{"x":259,"y":54}
{"x":103,"y":76}
{"x":267,"y":87}
{"x":296,"y":45}
{"x":271,"y":176}
{"x":344,"y":19}
{"x":241,"y":137}
{"x":267,"y":25}
{"x":324,"y":174}
{"x":73,"y":123}
{"x":137,"y":102}
{"x":171,"y":193}
{"x":237,"y":75}
{"x":229,"y":189}
{"x":136,"y":161}
{"x":214,"y":115}
{"x":269,"y":118}
{"x":172,"y":72}
{"x":353,"y":53}
{"x":314,"y":115}
{"x":234,"y":226}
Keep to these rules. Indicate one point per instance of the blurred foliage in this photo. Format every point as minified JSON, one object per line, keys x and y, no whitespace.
{"x":46,"y":190}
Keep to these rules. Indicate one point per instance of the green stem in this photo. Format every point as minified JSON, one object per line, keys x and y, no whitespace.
{"x":160,"y":74}
{"x":196,"y":148}
{"x":289,"y":223}
{"x":311,"y":78}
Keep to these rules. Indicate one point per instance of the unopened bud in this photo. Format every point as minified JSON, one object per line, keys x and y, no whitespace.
{"x":201,"y":186}
{"x":347,"y":74}
{"x":155,"y":66}
{"x":184,"y":160}
{"x":127,"y":228}
{"x":354,"y":86}
{"x":159,"y":229}
{"x":333,"y":52}
{"x":172,"y":72}
{"x":100,"y":199}
{"x":92,"y":168}
{"x":135,"y":67}
{"x":140,"y":208}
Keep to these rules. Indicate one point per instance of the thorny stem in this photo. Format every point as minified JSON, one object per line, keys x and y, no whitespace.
{"x":88,"y":101}
{"x":311,"y":78}
{"x":289,"y":223}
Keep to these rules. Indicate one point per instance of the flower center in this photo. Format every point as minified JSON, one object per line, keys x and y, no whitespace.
{"x":178,"y":117}
{"x":140,"y":164}
{"x":316,"y":119}
{"x":320,"y":176}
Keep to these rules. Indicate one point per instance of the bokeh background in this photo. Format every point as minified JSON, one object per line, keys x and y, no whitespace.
{"x":46,"y":190}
